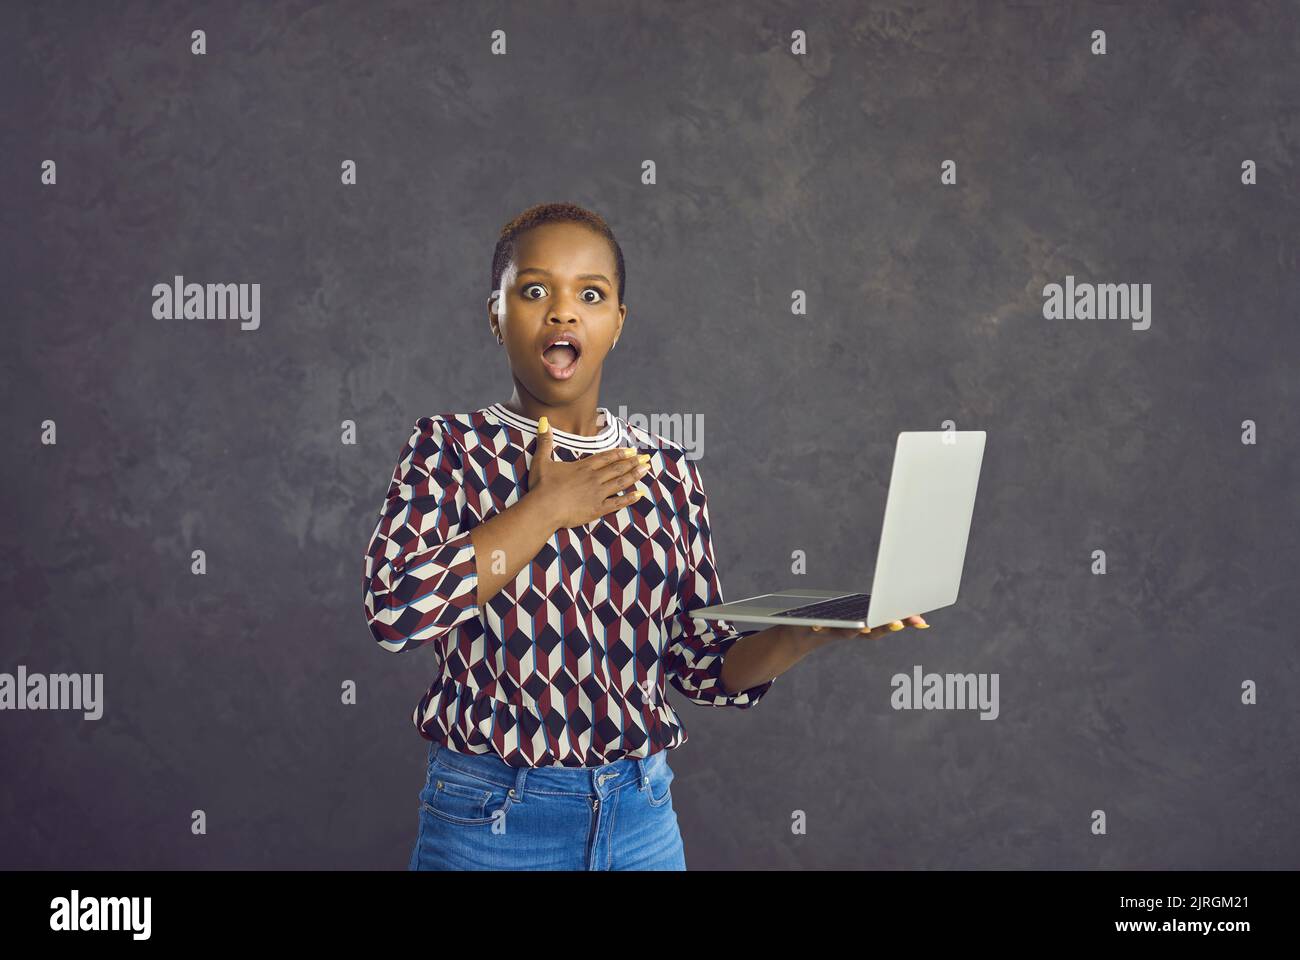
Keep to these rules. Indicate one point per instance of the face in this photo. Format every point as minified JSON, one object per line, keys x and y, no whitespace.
{"x":562,"y":282}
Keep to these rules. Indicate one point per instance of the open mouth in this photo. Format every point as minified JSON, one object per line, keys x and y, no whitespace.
{"x":561,"y":360}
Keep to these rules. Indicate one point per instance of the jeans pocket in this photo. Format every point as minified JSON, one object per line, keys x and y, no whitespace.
{"x":661,"y":778}
{"x":463,"y":799}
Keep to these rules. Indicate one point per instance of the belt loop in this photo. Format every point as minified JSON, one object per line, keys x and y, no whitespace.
{"x":642,"y":776}
{"x":517,"y":792}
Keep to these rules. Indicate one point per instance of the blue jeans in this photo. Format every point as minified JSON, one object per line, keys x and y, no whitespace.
{"x":479,"y":813}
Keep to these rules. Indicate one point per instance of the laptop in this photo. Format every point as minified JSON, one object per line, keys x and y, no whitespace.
{"x":922,"y":543}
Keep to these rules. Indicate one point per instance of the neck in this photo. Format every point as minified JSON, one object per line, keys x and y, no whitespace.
{"x":578,"y":416}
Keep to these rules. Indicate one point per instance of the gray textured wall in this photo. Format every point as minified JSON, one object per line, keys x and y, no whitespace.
{"x":775,"y":172}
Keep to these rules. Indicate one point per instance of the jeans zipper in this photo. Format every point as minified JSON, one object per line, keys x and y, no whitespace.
{"x":595,"y":820}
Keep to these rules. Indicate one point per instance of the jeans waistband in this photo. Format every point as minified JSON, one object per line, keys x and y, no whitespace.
{"x":574,"y":781}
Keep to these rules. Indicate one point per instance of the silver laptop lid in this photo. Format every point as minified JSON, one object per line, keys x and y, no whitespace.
{"x":927,"y":523}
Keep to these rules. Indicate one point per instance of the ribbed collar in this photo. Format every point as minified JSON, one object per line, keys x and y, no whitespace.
{"x":607,"y":439}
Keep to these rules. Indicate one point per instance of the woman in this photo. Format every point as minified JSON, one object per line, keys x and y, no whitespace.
{"x":550,"y":569}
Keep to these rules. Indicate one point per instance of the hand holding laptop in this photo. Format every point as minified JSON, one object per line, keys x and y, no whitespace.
{"x":870,"y":633}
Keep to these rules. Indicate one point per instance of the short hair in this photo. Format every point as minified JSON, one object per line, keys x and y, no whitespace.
{"x":543,"y":213}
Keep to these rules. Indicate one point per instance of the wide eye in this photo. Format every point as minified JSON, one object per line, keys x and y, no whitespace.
{"x":596,"y":290}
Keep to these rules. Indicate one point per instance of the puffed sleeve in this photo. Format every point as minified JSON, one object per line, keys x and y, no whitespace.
{"x":697,"y":647}
{"x":420,"y":577}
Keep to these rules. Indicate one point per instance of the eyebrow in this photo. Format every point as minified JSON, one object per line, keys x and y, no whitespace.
{"x":581,"y":276}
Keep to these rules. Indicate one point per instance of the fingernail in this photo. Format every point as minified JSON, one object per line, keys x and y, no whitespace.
{"x":922,"y":626}
{"x":644,"y":458}
{"x":542,"y":425}
{"x":896,"y":625}
{"x":816,"y":629}
{"x":630,"y":451}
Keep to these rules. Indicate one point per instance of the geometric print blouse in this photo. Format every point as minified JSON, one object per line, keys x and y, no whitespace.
{"x":569,"y":664}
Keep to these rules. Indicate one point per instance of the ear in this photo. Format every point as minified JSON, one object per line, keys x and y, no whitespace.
{"x":494,"y":321}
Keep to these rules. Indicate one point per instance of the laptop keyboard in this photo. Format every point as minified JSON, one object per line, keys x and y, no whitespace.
{"x":852,"y":607}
